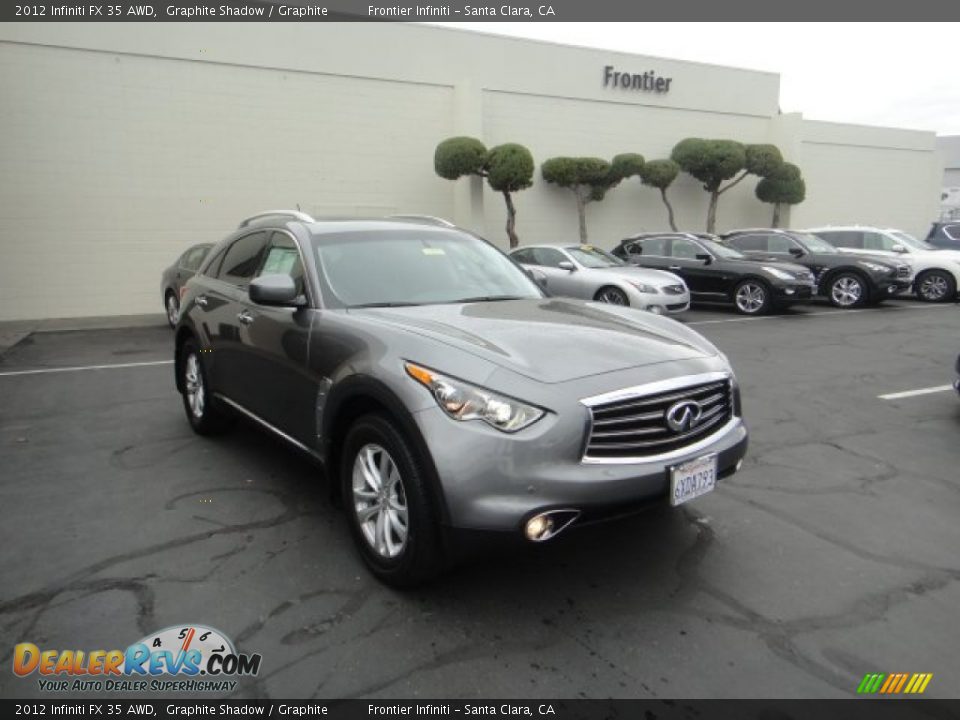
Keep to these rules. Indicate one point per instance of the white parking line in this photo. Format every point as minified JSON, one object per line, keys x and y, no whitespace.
{"x":79,"y":368}
{"x":822,"y":312}
{"x":914,"y":393}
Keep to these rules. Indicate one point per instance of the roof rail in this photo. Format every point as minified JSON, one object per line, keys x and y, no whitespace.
{"x":429,"y":219}
{"x":291,"y":214}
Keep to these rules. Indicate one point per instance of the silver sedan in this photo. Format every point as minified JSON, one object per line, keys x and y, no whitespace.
{"x":585,"y":271}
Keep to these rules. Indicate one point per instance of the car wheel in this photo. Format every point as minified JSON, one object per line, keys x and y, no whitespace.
{"x":752,"y":297}
{"x":206,"y":416}
{"x":612,"y":295}
{"x":388,"y":506}
{"x":847,"y":290}
{"x":935,"y":286}
{"x":173,"y":308}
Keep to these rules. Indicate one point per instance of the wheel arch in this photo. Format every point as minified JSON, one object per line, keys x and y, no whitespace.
{"x":360,"y":395}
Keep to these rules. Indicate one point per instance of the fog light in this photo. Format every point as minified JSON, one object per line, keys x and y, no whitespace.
{"x":739,"y":465}
{"x":539,"y":527}
{"x":655,"y":309}
{"x":789,"y":291}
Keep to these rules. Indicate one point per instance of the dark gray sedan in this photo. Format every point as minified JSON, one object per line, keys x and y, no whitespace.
{"x":447,"y":396}
{"x":176,"y":276}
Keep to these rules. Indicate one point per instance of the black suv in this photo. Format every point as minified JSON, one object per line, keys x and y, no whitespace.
{"x":945,"y":235}
{"x":716,"y":273}
{"x":845,"y":280}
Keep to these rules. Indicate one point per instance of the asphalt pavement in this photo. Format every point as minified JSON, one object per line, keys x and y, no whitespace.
{"x":832,"y":554}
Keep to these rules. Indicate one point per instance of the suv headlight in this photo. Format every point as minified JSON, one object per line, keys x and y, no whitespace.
{"x":643,"y":287}
{"x":875,"y":267}
{"x":463,"y":401}
{"x":778,"y":273}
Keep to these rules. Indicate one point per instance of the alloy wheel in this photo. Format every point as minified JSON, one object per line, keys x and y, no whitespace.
{"x":750,"y":298}
{"x":846,"y":291}
{"x":379,"y":501}
{"x":613,"y":296}
{"x":933,"y":287}
{"x":193,"y":381}
{"x":173,"y":309}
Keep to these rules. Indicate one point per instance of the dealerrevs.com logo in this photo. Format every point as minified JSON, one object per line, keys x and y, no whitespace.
{"x":179,"y":658}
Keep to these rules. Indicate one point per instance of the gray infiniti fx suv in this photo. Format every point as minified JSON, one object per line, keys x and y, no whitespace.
{"x":448,"y":397}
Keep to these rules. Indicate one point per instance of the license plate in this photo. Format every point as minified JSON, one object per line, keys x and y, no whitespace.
{"x":692,"y":479}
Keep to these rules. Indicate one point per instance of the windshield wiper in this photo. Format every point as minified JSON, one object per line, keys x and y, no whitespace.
{"x":485,"y":298}
{"x":383,"y":305}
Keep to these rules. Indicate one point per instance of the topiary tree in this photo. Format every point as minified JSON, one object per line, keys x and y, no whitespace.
{"x":714,"y":161}
{"x":660,"y":174}
{"x":784,"y":186}
{"x":508,"y":169}
{"x":590,"y":178}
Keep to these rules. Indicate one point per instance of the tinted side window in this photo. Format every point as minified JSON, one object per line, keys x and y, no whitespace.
{"x":876,"y":241}
{"x":685,"y":249}
{"x":655,"y":246}
{"x":952,"y":231}
{"x":524,"y":257}
{"x":749,"y":242}
{"x":242,"y":259}
{"x":780,"y":244}
{"x":283,"y":258}
{"x":548,"y":257}
{"x":194,"y":257}
{"x":843,"y":239}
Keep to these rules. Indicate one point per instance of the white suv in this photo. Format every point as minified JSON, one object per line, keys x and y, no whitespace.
{"x":936,"y":271}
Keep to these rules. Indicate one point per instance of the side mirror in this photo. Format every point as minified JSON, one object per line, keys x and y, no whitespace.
{"x":275,"y":289}
{"x":898,"y":249}
{"x":566,"y":265}
{"x":707,"y":259}
{"x":796,"y":252}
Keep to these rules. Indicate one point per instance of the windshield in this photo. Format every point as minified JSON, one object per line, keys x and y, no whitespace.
{"x":417,"y":267}
{"x":814,"y":243}
{"x":910,"y":241}
{"x":719,"y":250}
{"x":592,"y":257}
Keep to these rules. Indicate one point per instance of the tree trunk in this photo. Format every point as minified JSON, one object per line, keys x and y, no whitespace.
{"x":511,"y":220}
{"x":712,"y":212}
{"x":582,"y":213}
{"x":776,"y":215}
{"x":663,"y":194}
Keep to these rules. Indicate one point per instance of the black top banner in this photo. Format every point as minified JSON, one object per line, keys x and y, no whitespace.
{"x":491,"y":709}
{"x":517,"y":11}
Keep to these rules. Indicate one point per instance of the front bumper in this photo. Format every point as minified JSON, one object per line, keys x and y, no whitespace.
{"x":791,"y":293}
{"x":494,"y":481}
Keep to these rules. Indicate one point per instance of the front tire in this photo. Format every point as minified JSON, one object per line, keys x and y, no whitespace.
{"x":847,"y":290}
{"x":172,"y":305}
{"x":612,"y":295}
{"x":387,"y":501}
{"x":935,"y":286}
{"x":752,"y":297}
{"x":204,"y":414}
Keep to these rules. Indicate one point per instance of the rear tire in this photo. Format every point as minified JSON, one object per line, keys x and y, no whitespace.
{"x":172,"y":306}
{"x":611,"y":295}
{"x":387,"y":501}
{"x":848,"y":290}
{"x":752,"y":297}
{"x":205,"y":415}
{"x":935,"y":286}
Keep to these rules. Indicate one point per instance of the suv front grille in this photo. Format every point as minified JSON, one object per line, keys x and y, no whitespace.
{"x":636,"y":426}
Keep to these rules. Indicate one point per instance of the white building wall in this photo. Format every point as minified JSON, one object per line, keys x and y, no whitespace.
{"x":123,"y":145}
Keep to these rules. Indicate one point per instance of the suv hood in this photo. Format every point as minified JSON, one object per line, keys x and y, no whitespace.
{"x":550,"y":339}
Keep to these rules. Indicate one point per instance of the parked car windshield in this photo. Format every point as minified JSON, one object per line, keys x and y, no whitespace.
{"x":815,"y":243}
{"x":910,"y":241}
{"x":417,"y":267}
{"x":721,"y":251}
{"x":592,"y":257}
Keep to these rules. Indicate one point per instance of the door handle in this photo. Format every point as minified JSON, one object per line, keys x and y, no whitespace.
{"x":245,"y":317}
{"x":202,"y":300}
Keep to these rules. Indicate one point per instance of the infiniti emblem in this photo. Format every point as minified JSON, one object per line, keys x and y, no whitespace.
{"x":684,"y":415}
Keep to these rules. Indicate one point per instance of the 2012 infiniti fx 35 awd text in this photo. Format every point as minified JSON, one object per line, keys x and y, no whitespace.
{"x":445,"y":393}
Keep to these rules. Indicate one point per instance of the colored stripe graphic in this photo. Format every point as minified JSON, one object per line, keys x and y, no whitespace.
{"x":894,"y":683}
